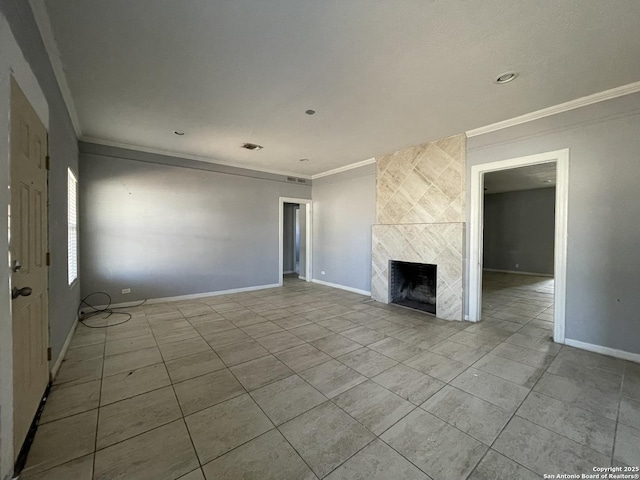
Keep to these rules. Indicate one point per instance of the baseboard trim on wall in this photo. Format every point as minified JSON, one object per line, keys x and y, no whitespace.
{"x":518,"y":272}
{"x":302,"y":278}
{"x":193,"y":296}
{"x":611,"y":352}
{"x":63,"y":351}
{"x":341,"y":287}
{"x":288,"y":272}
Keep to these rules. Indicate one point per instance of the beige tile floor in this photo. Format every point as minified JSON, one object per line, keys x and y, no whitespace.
{"x":305,"y":382}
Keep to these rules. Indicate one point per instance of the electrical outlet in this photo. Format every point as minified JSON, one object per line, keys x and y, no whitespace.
{"x":322,"y":272}
{"x":126,"y":290}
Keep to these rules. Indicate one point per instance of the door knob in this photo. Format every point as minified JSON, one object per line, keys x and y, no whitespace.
{"x":17,"y":292}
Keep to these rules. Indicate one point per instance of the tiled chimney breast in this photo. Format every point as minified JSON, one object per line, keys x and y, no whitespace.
{"x":420,"y":207}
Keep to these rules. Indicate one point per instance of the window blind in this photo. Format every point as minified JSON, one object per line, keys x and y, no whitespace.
{"x":72,"y":221}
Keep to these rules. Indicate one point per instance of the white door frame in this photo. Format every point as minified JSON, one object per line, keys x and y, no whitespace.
{"x":308,"y":229}
{"x":476,"y":223}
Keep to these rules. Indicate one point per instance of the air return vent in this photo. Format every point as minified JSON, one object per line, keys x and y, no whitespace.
{"x":296,"y":180}
{"x":252,"y":146}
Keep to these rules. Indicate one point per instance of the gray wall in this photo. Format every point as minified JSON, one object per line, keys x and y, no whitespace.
{"x":603,"y":270}
{"x":63,"y":300}
{"x":63,"y":150}
{"x":344,"y":211}
{"x":289,"y":237}
{"x":165,"y":231}
{"x":519,"y":230}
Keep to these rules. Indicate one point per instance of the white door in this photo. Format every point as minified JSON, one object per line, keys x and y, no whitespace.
{"x":28,"y":250}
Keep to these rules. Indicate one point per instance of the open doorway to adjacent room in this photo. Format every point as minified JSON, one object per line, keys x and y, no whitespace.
{"x":295,"y":239}
{"x":518,"y":244}
{"x":517,"y":261}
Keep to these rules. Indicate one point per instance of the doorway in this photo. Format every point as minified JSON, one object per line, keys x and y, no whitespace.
{"x":291,"y":237}
{"x":480,"y":173}
{"x":295,"y":236}
{"x":28,"y":260}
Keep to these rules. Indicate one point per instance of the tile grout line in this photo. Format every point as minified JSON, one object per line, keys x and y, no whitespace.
{"x":620,"y":395}
{"x":95,"y":440}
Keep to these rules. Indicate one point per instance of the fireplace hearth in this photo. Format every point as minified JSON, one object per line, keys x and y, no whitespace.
{"x":413,"y":285}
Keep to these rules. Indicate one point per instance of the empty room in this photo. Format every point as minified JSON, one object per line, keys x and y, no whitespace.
{"x":294,"y":239}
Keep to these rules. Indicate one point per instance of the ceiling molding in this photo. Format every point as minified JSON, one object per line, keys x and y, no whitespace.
{"x":44,"y":25}
{"x":351,"y":166}
{"x":560,"y":108}
{"x":169,"y":153}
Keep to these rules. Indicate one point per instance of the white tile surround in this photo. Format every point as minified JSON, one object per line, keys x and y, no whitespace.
{"x":420,"y":206}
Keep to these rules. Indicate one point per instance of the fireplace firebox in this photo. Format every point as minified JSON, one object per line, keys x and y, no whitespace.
{"x":413,"y":285}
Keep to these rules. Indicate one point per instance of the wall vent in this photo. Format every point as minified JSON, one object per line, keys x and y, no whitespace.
{"x":252,"y":146}
{"x":296,"y":180}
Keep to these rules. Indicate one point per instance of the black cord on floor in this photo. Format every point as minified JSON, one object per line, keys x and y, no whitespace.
{"x":106,"y":311}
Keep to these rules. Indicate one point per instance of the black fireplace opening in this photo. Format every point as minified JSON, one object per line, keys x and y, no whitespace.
{"x":413,"y":285}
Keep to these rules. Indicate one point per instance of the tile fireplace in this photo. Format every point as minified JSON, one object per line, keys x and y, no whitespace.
{"x":420,"y":208}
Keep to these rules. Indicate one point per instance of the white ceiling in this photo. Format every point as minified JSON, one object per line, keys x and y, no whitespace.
{"x":542,"y":175}
{"x":382,"y":75}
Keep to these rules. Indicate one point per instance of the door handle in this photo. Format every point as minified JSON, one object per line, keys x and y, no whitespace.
{"x":17,"y":292}
{"x":16,"y":265}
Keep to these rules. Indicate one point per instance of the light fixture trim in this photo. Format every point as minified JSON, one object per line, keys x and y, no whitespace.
{"x":506,"y":77}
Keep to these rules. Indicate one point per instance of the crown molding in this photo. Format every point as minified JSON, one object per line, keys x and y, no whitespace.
{"x":351,"y":166}
{"x":560,"y":108}
{"x":46,"y":32}
{"x":198,"y":158}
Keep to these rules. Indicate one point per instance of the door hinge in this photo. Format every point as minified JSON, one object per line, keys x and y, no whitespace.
{"x":48,"y":259}
{"x":47,"y":162}
{"x":49,"y":353}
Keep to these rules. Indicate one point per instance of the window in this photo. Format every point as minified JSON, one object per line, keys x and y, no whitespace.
{"x":72,"y":229}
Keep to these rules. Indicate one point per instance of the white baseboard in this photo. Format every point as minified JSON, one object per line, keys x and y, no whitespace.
{"x":288,"y":272}
{"x":63,"y":352}
{"x":611,"y":352}
{"x":341,"y":287}
{"x":192,"y":296}
{"x":302,"y":278}
{"x":517,"y":272}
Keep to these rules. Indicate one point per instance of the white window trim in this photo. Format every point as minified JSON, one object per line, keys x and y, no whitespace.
{"x":72,"y":227}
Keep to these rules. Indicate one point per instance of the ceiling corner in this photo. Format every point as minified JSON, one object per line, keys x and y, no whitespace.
{"x":44,"y":25}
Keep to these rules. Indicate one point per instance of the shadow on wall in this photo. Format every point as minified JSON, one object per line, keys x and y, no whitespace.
{"x":165,"y":231}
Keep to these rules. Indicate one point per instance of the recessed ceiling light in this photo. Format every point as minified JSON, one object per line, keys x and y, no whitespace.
{"x":506,"y":77}
{"x":179,"y":133}
{"x":252,"y":146}
{"x":310,"y":112}
{"x":304,"y":159}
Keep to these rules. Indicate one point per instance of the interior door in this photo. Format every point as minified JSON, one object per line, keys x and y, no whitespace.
{"x":27,"y":249}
